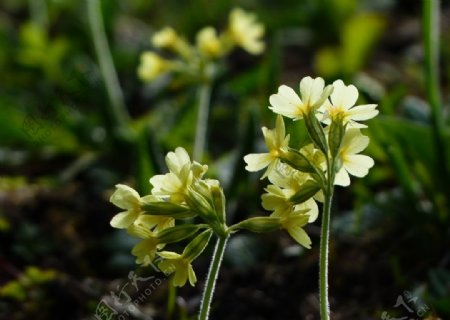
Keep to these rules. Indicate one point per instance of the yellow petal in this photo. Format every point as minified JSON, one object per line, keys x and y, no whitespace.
{"x":125,"y":197}
{"x":311,"y":89}
{"x":257,"y":161}
{"x":300,"y":236}
{"x":123,"y":220}
{"x":363,"y":112}
{"x":358,"y":165}
{"x":192,"y":276}
{"x":344,"y":96}
{"x":342,"y":178}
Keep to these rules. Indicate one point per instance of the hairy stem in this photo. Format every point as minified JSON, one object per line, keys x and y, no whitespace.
{"x":118,"y":111}
{"x":324,"y":242}
{"x":212,"y":277}
{"x":202,"y":121}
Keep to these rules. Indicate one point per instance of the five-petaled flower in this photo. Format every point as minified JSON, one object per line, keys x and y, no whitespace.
{"x":277,"y":143}
{"x":287,"y":102}
{"x":342,"y":106}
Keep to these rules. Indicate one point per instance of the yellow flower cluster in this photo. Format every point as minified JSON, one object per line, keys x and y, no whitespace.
{"x":300,"y":177}
{"x":161,"y":217}
{"x":193,"y":59}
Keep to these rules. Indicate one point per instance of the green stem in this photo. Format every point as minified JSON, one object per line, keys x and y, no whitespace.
{"x":202,"y":120}
{"x":431,"y":13}
{"x":323,"y":263}
{"x":118,"y":110}
{"x":324,"y":242}
{"x":212,"y":277}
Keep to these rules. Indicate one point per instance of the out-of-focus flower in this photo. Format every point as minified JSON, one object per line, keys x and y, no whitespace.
{"x":287,"y":103}
{"x":277,"y":142}
{"x":128,"y":199}
{"x":353,"y":163}
{"x":152,"y":66}
{"x":209,"y":44}
{"x":245,"y":31}
{"x":343,"y":107}
{"x":165,"y":38}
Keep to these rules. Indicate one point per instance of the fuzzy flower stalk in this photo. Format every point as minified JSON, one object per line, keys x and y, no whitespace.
{"x":200,"y":62}
{"x":301,"y":176}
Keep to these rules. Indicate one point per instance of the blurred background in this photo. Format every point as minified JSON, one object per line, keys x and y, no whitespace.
{"x":62,"y":151}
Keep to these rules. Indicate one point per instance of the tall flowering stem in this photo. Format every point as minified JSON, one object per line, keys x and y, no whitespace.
{"x":212,"y":277}
{"x":204,"y":98}
{"x":301,"y":176}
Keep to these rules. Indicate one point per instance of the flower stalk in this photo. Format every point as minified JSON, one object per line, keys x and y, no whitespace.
{"x":204,"y":94}
{"x":211,"y":279}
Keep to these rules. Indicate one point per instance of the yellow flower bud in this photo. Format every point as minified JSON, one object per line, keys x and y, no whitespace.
{"x":152,"y":66}
{"x":208,"y":43}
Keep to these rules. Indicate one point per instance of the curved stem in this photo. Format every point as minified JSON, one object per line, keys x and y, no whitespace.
{"x":212,"y":277}
{"x":202,"y":120}
{"x":118,"y":111}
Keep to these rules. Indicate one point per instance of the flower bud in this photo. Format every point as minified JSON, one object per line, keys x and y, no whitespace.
{"x":196,"y":246}
{"x":315,"y":131}
{"x":336,"y":134}
{"x":296,"y":160}
{"x":307,"y":191}
{"x":177,"y":233}
{"x":166,"y":208}
{"x":260,"y":224}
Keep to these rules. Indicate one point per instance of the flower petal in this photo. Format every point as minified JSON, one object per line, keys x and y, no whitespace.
{"x":363,"y":112}
{"x":300,"y":236}
{"x":358,"y":165}
{"x":257,"y":161}
{"x":123,"y":220}
{"x":125,"y":197}
{"x":342,"y":178}
{"x":311,"y":89}
{"x":192,"y":276}
{"x":344,"y":96}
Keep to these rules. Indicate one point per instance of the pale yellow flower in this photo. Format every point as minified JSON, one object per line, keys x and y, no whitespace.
{"x":245,"y":31}
{"x":128,"y":199}
{"x":180,"y":266}
{"x":294,"y":224}
{"x":286,"y":183}
{"x":353,"y":163}
{"x":183,"y":172}
{"x":287,"y":102}
{"x":152,"y":66}
{"x":165,"y":38}
{"x":342,"y":106}
{"x":145,"y":250}
{"x":209,"y":44}
{"x":277,"y":142}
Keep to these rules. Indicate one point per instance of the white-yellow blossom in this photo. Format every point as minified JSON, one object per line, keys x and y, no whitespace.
{"x":178,"y":265}
{"x":128,"y":199}
{"x":342,"y":106}
{"x":165,"y":38}
{"x":288,"y":103}
{"x":152,"y":66}
{"x":277,"y":142}
{"x":209,"y":44}
{"x":245,"y":31}
{"x":183,"y":172}
{"x":353,"y":163}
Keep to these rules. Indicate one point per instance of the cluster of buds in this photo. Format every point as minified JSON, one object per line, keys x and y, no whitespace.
{"x":195,"y":59}
{"x":303,"y":175}
{"x":168,"y":215}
